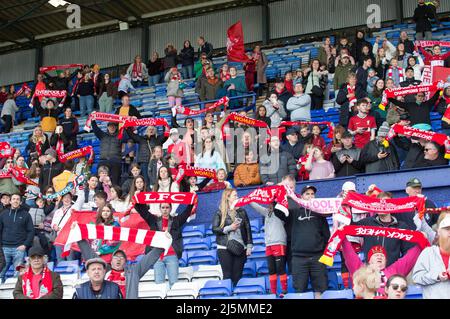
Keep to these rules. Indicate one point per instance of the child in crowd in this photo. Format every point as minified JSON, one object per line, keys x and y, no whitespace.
{"x":318,"y":140}
{"x":288,"y":82}
{"x":124,"y":85}
{"x":371,"y":80}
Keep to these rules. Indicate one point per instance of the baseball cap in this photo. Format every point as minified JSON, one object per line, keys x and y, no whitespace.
{"x":304,"y":189}
{"x":36,"y":251}
{"x":349,"y":186}
{"x":95,"y":261}
{"x":346,"y":134}
{"x":120,"y":252}
{"x":291,"y":131}
{"x":445,"y":222}
{"x":414,"y":182}
{"x":173,"y":131}
{"x":112,"y":124}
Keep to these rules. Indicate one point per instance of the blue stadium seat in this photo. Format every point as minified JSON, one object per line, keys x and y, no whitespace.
{"x":256,"y":296}
{"x":183,"y":260}
{"x":255,"y":224}
{"x":258,"y":239}
{"x":338,"y":294}
{"x":213,"y":242}
{"x":216,"y":288}
{"x":333,"y":281}
{"x":209,"y":231}
{"x":305,"y":295}
{"x":261,"y":268}
{"x":196,"y":243}
{"x":249,"y":269}
{"x":258,"y":252}
{"x":194,"y":231}
{"x":67,"y":267}
{"x":247,"y":286}
{"x":197,"y":257}
{"x":414,"y":292}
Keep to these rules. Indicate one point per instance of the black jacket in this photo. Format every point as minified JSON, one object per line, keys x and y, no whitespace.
{"x":186,"y":56}
{"x":70,"y":131}
{"x":222,"y":238}
{"x":440,"y":161}
{"x":295,"y":150}
{"x":110,"y":145}
{"x":357,"y":48}
{"x":441,"y":108}
{"x":206,"y":48}
{"x":16,"y":228}
{"x":395,"y":248}
{"x":171,"y":59}
{"x":418,"y":113}
{"x":154,"y":68}
{"x":31,"y":146}
{"x":85,"y":88}
{"x":346,"y":168}
{"x":286,"y":166}
{"x":175,"y":225}
{"x":409,"y":45}
{"x":369,"y":158}
{"x":153,"y":171}
{"x":414,"y":156}
{"x":308,"y":232}
{"x":145,"y":143}
{"x":361,"y":77}
{"x":342,"y":100}
{"x":407,"y":218}
{"x":49,"y":171}
{"x":422,"y":16}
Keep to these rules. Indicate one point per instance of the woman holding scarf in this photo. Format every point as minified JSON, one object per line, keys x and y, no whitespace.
{"x":38,"y":143}
{"x":137,"y":71}
{"x":443,"y":108}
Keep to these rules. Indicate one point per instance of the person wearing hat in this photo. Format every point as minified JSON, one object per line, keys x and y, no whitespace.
{"x":37,"y":281}
{"x":283,"y":94}
{"x":307,"y":236}
{"x":293,"y":145}
{"x":49,"y":116}
{"x":51,"y":168}
{"x":110,"y":149}
{"x":278,"y":164}
{"x":432,"y":269}
{"x":378,"y":158}
{"x":414,"y":188}
{"x":97,"y":287}
{"x":346,"y":161}
{"x":443,"y":106}
{"x":299,"y":105}
{"x":419,"y":110}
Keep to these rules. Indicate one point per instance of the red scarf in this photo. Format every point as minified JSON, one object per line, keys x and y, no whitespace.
{"x":59,"y":94}
{"x":105,"y":117}
{"x":247,"y":121}
{"x":382,"y":206}
{"x":60,"y":147}
{"x":144,"y":122}
{"x":166,"y":197}
{"x":6,"y":150}
{"x":432,"y":43}
{"x":402,"y":91}
{"x":400,"y":73}
{"x":186,"y":170}
{"x":137,"y":71}
{"x":39,"y":147}
{"x":186,"y":111}
{"x":351,"y":90}
{"x":81,"y":152}
{"x":438,"y":138}
{"x":224,"y":77}
{"x":75,"y":86}
{"x":24,"y":89}
{"x":266,"y":195}
{"x":5,"y":174}
{"x":46,"y":284}
{"x":437,"y":210}
{"x":59,"y":67}
{"x":20,"y":177}
{"x":446,"y":117}
{"x":119,"y":278}
{"x":298,"y":123}
{"x":336,"y":239}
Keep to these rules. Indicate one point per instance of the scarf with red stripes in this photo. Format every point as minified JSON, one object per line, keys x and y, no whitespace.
{"x":81,"y":152}
{"x":137,"y":71}
{"x":144,"y":122}
{"x":105,"y":117}
{"x":20,"y":177}
{"x":139,"y":236}
{"x":330,"y":134}
{"x":39,"y":147}
{"x":335,"y":241}
{"x":166,"y":197}
{"x":187,"y":111}
{"x":6,"y":150}
{"x":438,"y":138}
{"x":186,"y":170}
{"x":432,"y":43}
{"x":400,"y":73}
{"x":351,"y":90}
{"x":45,"y":284}
{"x":59,"y":67}
{"x":58,"y":94}
{"x":119,"y":278}
{"x":446,"y":117}
{"x":266,"y":195}
{"x":25,"y":89}
{"x":247,"y":121}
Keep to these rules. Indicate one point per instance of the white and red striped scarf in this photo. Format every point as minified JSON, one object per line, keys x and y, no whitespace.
{"x":45,"y":284}
{"x":81,"y":152}
{"x":266,"y":195}
{"x":137,"y":71}
{"x":25,"y":89}
{"x":144,"y":122}
{"x":59,"y":67}
{"x":187,"y":111}
{"x":351,"y":90}
{"x":400,"y":73}
{"x":139,"y":236}
{"x":59,"y":94}
{"x":105,"y":117}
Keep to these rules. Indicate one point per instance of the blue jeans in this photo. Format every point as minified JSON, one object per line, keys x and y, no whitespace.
{"x":153,"y":79}
{"x":12,"y":257}
{"x":188,"y":71}
{"x":169,"y":263}
{"x":86,"y":105}
{"x":136,"y":84}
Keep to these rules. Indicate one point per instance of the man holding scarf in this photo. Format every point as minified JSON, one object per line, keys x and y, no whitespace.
{"x":432,"y":270}
{"x":38,"y":282}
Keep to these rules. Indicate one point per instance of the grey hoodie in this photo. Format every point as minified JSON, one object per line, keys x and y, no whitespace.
{"x":274,"y":231}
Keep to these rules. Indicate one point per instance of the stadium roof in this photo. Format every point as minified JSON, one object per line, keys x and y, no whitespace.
{"x":31,"y":23}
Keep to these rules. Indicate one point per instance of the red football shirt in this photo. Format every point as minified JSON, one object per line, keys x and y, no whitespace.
{"x":368,"y":123}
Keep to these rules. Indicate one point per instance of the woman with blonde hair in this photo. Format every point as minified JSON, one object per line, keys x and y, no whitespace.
{"x":366,"y":282}
{"x":38,"y":143}
{"x":233,"y":236}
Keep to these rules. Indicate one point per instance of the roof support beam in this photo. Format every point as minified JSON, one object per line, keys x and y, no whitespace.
{"x":34,"y":8}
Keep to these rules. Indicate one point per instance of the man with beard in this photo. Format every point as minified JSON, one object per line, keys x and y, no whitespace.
{"x":432,"y":270}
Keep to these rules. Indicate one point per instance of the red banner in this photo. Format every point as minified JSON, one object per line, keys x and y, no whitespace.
{"x":187,"y":111}
{"x":265,"y":195}
{"x":20,"y":177}
{"x":81,"y":152}
{"x":133,"y":221}
{"x":432,"y":43}
{"x":25,"y":89}
{"x":235,"y":43}
{"x":335,"y":241}
{"x":186,"y":170}
{"x":144,"y":122}
{"x":59,"y":67}
{"x":245,"y":120}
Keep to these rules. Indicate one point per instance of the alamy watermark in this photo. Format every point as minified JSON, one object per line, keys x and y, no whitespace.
{"x":74,"y":19}
{"x":374,"y":18}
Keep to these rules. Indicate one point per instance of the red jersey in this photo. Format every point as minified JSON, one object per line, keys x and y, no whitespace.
{"x":434,"y":60}
{"x":368,"y":123}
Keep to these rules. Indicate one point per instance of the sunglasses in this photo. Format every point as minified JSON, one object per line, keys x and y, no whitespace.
{"x":8,"y":162}
{"x":428,"y":149}
{"x":402,"y":288}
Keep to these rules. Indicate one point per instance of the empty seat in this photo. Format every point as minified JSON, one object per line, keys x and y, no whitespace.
{"x":216,"y":288}
{"x":271,"y":296}
{"x":194,"y":231}
{"x":250,"y":286}
{"x":197,"y":243}
{"x":414,"y":292}
{"x":338,"y":294}
{"x":202,"y":257}
{"x":69,"y":279}
{"x":258,"y":252}
{"x":262,"y":268}
{"x":207,"y":271}
{"x":183,"y":290}
{"x":255,"y":225}
{"x":149,"y":290}
{"x":305,"y":295}
{"x":249,"y":269}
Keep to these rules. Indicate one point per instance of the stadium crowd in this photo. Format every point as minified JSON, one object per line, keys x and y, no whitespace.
{"x":36,"y":209}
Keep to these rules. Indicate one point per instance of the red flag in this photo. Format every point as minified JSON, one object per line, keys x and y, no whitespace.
{"x":235,"y":43}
